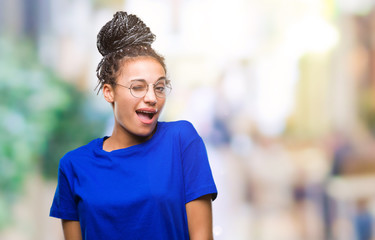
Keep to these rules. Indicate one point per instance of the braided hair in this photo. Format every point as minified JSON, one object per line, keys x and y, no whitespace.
{"x":125,"y":36}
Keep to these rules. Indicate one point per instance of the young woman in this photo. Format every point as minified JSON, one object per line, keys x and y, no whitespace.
{"x":149,"y":179}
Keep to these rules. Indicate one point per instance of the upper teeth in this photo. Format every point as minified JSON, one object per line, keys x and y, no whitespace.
{"x":148,"y":111}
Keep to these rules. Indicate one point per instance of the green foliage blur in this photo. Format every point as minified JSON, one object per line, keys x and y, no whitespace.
{"x":42,"y":117}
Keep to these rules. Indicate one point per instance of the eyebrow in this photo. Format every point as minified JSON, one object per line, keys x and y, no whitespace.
{"x":143,"y":80}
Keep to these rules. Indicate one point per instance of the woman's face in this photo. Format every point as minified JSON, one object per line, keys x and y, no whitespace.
{"x":137,"y":117}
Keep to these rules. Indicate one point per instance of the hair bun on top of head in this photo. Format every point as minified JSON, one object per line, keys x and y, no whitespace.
{"x":122,"y":31}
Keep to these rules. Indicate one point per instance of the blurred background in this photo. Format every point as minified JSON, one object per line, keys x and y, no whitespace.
{"x":283,"y":93}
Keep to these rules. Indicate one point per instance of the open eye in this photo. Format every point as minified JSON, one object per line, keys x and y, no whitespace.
{"x":160,"y":88}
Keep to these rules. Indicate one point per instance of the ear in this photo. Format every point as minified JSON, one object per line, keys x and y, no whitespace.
{"x":108,"y":93}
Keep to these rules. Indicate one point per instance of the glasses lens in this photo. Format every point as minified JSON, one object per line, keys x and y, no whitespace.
{"x":138,"y":89}
{"x":162,"y":88}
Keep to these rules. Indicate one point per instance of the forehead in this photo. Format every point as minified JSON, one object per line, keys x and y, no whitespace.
{"x":142,"y":67}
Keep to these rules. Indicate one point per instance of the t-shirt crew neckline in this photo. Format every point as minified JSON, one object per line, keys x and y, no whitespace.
{"x":137,"y":147}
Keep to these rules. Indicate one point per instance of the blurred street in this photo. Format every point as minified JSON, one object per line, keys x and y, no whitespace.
{"x":282,"y":92}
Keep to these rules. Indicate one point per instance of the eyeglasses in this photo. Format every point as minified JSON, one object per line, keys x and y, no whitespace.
{"x":139,"y":88}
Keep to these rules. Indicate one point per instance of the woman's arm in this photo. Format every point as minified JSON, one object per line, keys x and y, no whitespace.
{"x":72,"y":230}
{"x":199,"y":215}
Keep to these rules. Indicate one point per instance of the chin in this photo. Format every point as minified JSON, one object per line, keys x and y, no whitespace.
{"x":145,"y":133}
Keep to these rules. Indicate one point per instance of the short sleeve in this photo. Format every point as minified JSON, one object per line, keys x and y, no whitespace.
{"x":63,"y":205}
{"x":198,"y":179}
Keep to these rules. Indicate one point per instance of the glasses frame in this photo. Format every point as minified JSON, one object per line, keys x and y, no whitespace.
{"x":167,"y":86}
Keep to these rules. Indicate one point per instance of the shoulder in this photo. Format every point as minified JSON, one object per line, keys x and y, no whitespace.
{"x":78,"y":153}
{"x":182,"y":128}
{"x":182,"y":132}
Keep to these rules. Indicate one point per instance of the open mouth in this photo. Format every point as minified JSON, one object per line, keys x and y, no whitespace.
{"x":146,"y":116}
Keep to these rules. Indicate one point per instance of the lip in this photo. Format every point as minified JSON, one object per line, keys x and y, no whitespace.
{"x":147,"y":110}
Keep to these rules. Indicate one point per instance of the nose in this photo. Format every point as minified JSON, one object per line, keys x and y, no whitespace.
{"x":150,"y":96}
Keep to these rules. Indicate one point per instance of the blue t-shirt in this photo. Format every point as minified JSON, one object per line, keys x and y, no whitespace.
{"x":137,"y":192}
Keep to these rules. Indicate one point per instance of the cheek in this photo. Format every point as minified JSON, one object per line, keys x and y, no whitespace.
{"x":161,"y":103}
{"x":124,"y":108}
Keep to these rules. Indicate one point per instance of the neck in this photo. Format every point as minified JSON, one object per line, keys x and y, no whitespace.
{"x":121,"y":138}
